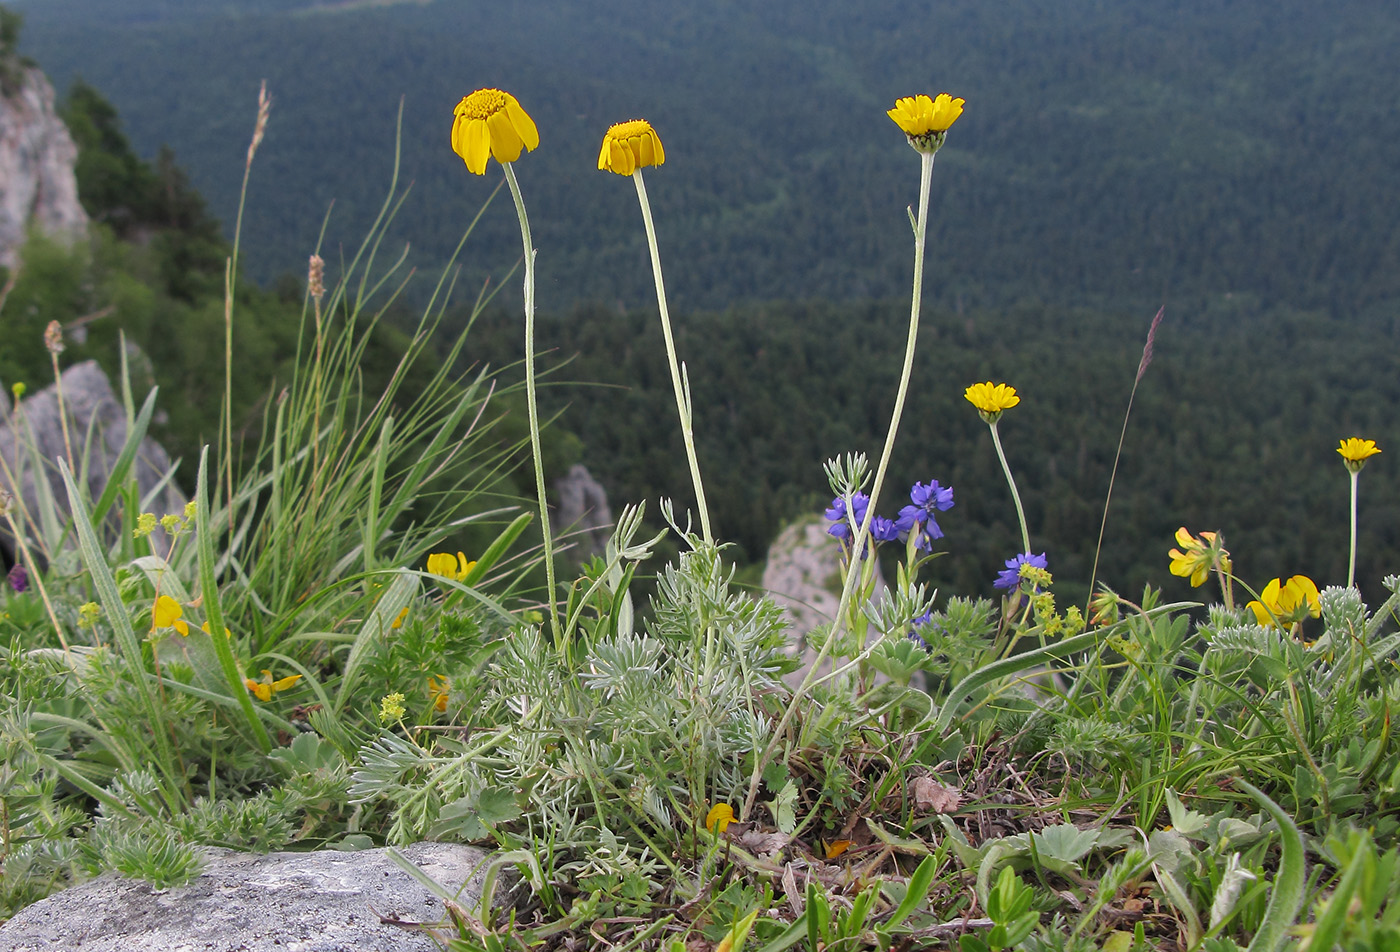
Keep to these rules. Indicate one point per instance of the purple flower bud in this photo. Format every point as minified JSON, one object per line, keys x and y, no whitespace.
{"x":19,"y":578}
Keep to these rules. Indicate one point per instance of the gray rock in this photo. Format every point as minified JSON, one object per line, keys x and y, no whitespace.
{"x":803,"y":575}
{"x":37,"y":185}
{"x":91,"y":404}
{"x":581,"y":515}
{"x":327,"y":901}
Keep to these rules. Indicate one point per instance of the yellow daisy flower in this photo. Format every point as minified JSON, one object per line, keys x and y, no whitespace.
{"x":167,"y":613}
{"x":1288,"y":603}
{"x":1356,"y":452}
{"x":630,"y":145}
{"x":991,"y":399}
{"x":491,"y":123}
{"x":925,"y":121}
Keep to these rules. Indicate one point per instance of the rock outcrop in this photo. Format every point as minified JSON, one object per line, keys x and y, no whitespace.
{"x":37,"y":155}
{"x":326,"y":901}
{"x":30,"y":474}
{"x":581,"y":516}
{"x":803,"y":575}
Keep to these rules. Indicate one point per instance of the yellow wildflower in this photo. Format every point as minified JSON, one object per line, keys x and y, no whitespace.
{"x":167,"y":613}
{"x":1356,"y":452}
{"x":398,"y":622}
{"x":391,"y":707}
{"x":1287,"y":604}
{"x":449,"y":566}
{"x":491,"y":123}
{"x":208,"y":631}
{"x":145,"y":525}
{"x":18,"y":389}
{"x":630,"y":145}
{"x":1197,"y":557}
{"x":88,"y":613}
{"x":925,"y":121}
{"x":438,"y":689}
{"x":991,"y":399}
{"x":719,"y":817}
{"x":266,"y":687}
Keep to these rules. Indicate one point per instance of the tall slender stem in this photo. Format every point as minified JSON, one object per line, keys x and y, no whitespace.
{"x":530,"y":398}
{"x":1351,"y":561}
{"x":858,"y":544}
{"x":682,"y":392}
{"x":1020,"y":511}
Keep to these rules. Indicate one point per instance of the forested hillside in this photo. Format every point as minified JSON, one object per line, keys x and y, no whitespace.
{"x":1236,"y":162}
{"x":1111,"y":154}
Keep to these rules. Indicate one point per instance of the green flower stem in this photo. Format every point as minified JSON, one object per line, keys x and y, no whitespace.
{"x":858,"y":544}
{"x":1351,"y":561}
{"x":530,"y":398}
{"x":682,"y":392}
{"x":1020,"y":511}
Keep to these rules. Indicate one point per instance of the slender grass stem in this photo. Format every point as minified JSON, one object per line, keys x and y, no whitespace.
{"x":1351,"y":559}
{"x":530,"y":399}
{"x":863,"y":534}
{"x":1010,"y":481}
{"x":683,"y":406}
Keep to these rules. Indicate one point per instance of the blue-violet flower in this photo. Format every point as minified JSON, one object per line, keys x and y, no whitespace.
{"x":1010,"y":577}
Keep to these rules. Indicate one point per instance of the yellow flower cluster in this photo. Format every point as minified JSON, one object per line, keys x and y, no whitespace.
{"x":1198,"y":556}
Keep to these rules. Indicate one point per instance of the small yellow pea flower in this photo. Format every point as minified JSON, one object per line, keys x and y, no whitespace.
{"x":438,"y":689}
{"x":167,"y":613}
{"x":1288,"y":603}
{"x":266,"y":687}
{"x":719,"y":817}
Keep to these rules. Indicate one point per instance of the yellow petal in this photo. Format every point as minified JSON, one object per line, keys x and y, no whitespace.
{"x":1261,"y":613}
{"x":284,"y":683}
{"x":523,"y":125}
{"x":719,"y":817}
{"x":1183,"y":538}
{"x":476,"y":145}
{"x":506,"y":143}
{"x":1198,"y":577}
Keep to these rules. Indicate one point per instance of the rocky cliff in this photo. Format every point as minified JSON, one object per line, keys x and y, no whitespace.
{"x":37,"y":185}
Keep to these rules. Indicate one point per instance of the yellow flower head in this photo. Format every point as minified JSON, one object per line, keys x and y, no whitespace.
{"x":1197,"y":557}
{"x":18,"y":389}
{"x":925,"y":121}
{"x":491,"y":123}
{"x":88,"y":613}
{"x":630,"y":145}
{"x":1287,"y":604}
{"x":167,"y":613}
{"x":990,"y":399}
{"x":450,"y":566}
{"x":266,"y":687}
{"x":719,"y":817}
{"x":1356,"y":452}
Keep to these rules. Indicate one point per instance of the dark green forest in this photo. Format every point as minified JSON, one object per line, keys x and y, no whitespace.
{"x":1111,"y":155}
{"x":1233,"y":162}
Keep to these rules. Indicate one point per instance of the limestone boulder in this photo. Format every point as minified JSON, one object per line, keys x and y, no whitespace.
{"x":326,"y":901}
